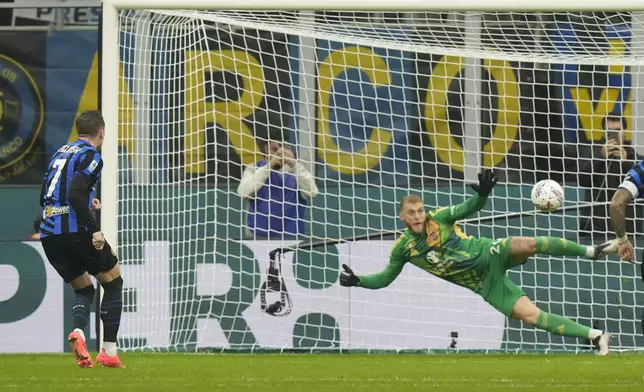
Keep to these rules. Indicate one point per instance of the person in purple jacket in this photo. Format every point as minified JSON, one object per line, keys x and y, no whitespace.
{"x":277,"y":190}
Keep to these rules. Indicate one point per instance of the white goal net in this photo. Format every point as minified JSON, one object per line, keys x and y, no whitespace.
{"x":373,"y":106}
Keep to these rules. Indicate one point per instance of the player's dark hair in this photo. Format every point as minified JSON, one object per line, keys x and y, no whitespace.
{"x":272,"y":136}
{"x":614,"y":116}
{"x":89,"y":123}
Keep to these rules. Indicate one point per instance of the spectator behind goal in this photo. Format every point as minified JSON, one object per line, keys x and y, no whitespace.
{"x":277,"y":189}
{"x":602,"y":169}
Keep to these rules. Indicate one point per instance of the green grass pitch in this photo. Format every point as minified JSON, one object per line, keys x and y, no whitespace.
{"x":328,"y":372}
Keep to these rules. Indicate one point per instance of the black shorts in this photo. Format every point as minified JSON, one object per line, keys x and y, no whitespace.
{"x":73,"y":254}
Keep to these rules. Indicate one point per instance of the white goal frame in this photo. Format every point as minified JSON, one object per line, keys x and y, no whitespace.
{"x":110,"y":54}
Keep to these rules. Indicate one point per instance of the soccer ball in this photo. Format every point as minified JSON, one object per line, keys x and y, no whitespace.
{"x":547,"y":196}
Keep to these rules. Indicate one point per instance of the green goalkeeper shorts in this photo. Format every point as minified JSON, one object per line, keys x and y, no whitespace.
{"x":497,"y":289}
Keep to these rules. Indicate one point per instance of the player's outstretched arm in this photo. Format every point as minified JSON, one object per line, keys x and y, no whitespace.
{"x":487,"y":181}
{"x":629,"y":189}
{"x":621,"y":199}
{"x":374,"y":281}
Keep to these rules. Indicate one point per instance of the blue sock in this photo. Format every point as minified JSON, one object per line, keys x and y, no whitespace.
{"x":81,"y":306}
{"x":111,"y":309}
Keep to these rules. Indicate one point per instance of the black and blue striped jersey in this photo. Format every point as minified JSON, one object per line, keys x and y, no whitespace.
{"x":76,"y":158}
{"x":634,"y":180}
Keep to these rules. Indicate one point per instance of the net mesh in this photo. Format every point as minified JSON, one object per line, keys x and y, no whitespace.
{"x":583,"y":38}
{"x":373,"y":106}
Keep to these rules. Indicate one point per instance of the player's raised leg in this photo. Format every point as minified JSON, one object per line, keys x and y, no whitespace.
{"x":111,"y":309}
{"x":529,"y":313}
{"x":509,"y":299}
{"x":84,"y":290}
{"x":522,"y":248}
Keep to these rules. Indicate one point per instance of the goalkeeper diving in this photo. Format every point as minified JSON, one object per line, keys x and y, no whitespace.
{"x":434,"y":243}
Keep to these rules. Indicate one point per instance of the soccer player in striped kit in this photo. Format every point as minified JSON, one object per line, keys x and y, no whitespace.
{"x":73,"y":242}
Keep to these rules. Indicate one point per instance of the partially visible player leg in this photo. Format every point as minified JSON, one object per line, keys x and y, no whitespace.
{"x":505,"y":296}
{"x":63,"y":254}
{"x":103,"y":264}
{"x":521,"y":248}
{"x":529,"y":313}
{"x":111,"y":309}
{"x":84,"y":290}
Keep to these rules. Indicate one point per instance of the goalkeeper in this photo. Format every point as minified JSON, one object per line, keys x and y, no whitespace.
{"x":434,"y":243}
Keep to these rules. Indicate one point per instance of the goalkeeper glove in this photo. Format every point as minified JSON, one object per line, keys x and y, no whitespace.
{"x":487,"y":180}
{"x":347,"y":277}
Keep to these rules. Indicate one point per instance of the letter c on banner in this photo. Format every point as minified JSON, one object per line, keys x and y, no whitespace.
{"x":378,"y":73}
{"x":447,"y":147}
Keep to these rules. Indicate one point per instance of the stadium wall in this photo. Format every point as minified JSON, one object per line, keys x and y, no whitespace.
{"x":163,"y":301}
{"x":373,"y":208}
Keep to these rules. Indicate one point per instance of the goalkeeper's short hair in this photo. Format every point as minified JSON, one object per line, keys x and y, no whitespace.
{"x":410,"y":199}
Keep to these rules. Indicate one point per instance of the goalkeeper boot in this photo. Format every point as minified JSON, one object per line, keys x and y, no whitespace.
{"x":109,"y":361}
{"x":79,"y":348}
{"x":602,"y":343}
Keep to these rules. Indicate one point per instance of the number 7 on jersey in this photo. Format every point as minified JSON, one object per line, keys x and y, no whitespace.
{"x":58,"y":165}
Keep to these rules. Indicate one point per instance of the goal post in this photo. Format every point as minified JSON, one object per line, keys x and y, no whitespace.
{"x":377,"y":101}
{"x":379,"y":5}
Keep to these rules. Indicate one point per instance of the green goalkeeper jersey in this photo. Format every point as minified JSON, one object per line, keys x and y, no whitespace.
{"x":442,"y":250}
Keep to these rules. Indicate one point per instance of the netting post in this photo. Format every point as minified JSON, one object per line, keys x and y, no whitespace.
{"x":109,"y":76}
{"x":637,"y":98}
{"x":99,"y":107}
{"x":472,"y":158}
{"x":306,"y":112}
{"x":142,"y":71}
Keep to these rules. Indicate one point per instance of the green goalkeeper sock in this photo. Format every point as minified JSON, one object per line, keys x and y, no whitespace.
{"x":560,"y":325}
{"x":562,"y":247}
